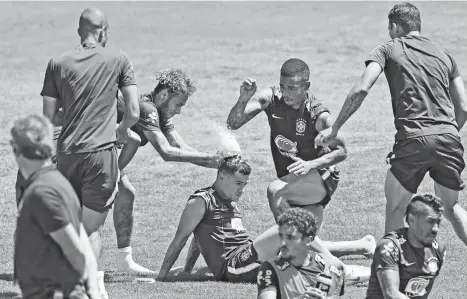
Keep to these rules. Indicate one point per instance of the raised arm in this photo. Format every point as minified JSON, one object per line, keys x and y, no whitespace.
{"x":191,"y":217}
{"x":459,"y":100}
{"x":249,"y":104}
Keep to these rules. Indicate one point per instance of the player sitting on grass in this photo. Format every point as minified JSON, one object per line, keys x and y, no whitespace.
{"x":214,"y":218}
{"x":306,"y":175}
{"x":407,"y":261}
{"x":298,"y":271}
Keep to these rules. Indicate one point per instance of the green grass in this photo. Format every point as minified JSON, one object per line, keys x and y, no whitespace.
{"x":219,"y":44}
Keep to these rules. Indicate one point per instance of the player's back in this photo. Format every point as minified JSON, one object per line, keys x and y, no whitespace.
{"x":417,"y":267}
{"x":220,"y":231}
{"x":419,"y":73}
{"x":86,"y":81}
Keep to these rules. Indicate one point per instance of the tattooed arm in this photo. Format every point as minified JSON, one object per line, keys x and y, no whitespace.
{"x":249,"y":104}
{"x":191,"y":217}
{"x":357,"y":94}
{"x":192,"y":255}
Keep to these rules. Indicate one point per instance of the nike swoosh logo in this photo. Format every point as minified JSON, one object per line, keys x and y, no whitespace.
{"x":409,"y":264}
{"x":274,"y":116}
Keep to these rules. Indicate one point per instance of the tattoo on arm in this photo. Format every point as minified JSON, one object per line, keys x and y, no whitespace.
{"x":353,"y":101}
{"x":192,"y":256}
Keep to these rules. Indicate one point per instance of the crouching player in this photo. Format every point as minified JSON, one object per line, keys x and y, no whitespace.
{"x":407,"y":261}
{"x":298,"y":271}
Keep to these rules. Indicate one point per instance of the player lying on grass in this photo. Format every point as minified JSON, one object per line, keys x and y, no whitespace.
{"x":307,"y":175}
{"x":214,"y":218}
{"x":298,"y":271}
{"x":407,"y":261}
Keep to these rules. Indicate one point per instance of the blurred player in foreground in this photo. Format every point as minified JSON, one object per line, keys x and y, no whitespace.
{"x":430,"y":108}
{"x":298,"y":271}
{"x":307,"y":175}
{"x":214,"y":218}
{"x":53,"y":255}
{"x":407,"y":261}
{"x":155,"y":125}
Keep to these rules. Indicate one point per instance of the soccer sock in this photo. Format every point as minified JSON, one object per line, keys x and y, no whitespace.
{"x":100,"y":281}
{"x":125,"y":254}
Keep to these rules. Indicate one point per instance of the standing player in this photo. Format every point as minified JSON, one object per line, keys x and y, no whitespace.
{"x":307,"y":176}
{"x":214,"y":218}
{"x":84,"y":83}
{"x":407,"y":261}
{"x":429,"y":106}
{"x":52,"y":251}
{"x":155,"y":126}
{"x":298,"y":271}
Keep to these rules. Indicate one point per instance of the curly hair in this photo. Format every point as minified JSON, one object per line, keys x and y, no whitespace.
{"x":175,"y":81}
{"x":300,"y":218}
{"x":32,"y":137}
{"x":295,"y":67}
{"x":419,"y":202}
{"x":234,"y":163}
{"x":406,"y":15}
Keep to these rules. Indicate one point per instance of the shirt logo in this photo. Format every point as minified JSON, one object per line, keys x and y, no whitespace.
{"x":286,"y":147}
{"x":277,"y":117}
{"x":432,"y":265}
{"x":300,"y":126}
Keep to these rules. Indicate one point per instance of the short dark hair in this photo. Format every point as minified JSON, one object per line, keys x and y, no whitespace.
{"x":175,"y":81}
{"x":32,"y":137}
{"x":406,"y":15}
{"x":234,"y":163}
{"x":295,"y":67}
{"x":420,"y":201}
{"x":300,"y":218}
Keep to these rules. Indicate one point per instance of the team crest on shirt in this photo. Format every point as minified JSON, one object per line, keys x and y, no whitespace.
{"x":245,"y":255}
{"x":153,"y":118}
{"x":432,"y":265}
{"x":300,"y":126}
{"x":286,"y":147}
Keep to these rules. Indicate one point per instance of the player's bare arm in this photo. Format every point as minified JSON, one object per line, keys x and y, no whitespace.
{"x":131,"y":115}
{"x":389,"y":281}
{"x":175,"y":154}
{"x":57,"y":120}
{"x":353,"y":101}
{"x":50,"y":107}
{"x":459,"y":99}
{"x":129,"y":150}
{"x":270,"y":293}
{"x":175,"y":140}
{"x":191,"y":217}
{"x":70,"y":244}
{"x":249,"y":104}
{"x":192,"y":256}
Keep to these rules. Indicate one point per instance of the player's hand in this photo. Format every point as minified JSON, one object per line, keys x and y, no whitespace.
{"x":122,"y":136}
{"x":324,"y":137}
{"x":314,"y":293}
{"x":299,"y":167}
{"x":247,"y":89}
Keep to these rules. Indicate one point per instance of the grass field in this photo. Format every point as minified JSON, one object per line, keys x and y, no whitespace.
{"x":219,"y":44}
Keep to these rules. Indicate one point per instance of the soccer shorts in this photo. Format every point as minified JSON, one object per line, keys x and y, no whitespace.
{"x":94,"y":176}
{"x":242,"y":264}
{"x":441,"y":155}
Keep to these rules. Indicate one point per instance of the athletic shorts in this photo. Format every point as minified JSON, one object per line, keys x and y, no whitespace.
{"x":242,"y":265}
{"x":65,"y":291}
{"x":331,"y":179}
{"x":441,"y":155}
{"x":94,"y":176}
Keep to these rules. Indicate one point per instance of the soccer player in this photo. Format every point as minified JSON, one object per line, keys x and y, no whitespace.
{"x":298,"y":271}
{"x":53,"y":255}
{"x":84,"y":83}
{"x":307,"y":176}
{"x":430,"y":108}
{"x":213,"y":216}
{"x":407,"y":260}
{"x":155,"y":126}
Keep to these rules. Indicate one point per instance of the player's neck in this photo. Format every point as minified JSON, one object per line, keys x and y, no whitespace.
{"x":302,"y":259}
{"x":28,"y":169}
{"x":218,"y":188}
{"x":412,"y":239}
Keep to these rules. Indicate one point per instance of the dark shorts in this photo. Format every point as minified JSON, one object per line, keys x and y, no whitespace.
{"x":242,"y":265}
{"x":440,"y":155}
{"x":69,"y":291}
{"x":94,"y":176}
{"x":331,"y":179}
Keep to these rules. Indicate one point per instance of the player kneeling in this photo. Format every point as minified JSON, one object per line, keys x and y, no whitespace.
{"x":298,"y":271}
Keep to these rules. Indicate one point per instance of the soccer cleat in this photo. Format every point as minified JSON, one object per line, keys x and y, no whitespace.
{"x":355,"y":274}
{"x":129,"y":266}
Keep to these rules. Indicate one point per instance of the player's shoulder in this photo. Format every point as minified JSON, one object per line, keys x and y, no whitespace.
{"x":205,"y":193}
{"x":315,"y":106}
{"x":384,"y":47}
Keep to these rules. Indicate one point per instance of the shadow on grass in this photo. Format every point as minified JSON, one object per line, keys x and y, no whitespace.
{"x":200,"y":275}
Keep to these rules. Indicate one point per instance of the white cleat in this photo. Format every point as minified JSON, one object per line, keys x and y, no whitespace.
{"x":355,"y":274}
{"x":131,"y":267}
